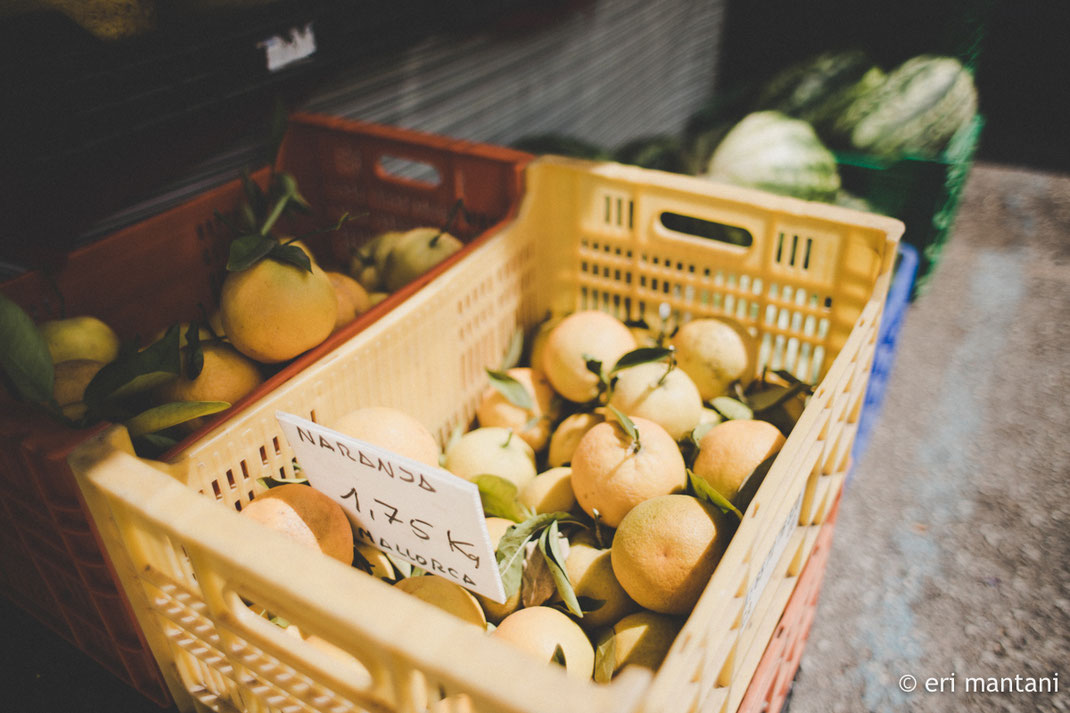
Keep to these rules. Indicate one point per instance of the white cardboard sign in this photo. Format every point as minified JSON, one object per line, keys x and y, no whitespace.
{"x":423,"y":515}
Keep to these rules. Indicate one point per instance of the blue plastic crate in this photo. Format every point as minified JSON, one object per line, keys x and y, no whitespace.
{"x":887,"y":340}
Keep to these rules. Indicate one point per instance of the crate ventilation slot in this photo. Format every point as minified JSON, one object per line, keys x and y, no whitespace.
{"x":797,"y":325}
{"x":618,"y":211}
{"x":408,"y":170}
{"x":706,"y":229}
{"x":793,"y":251}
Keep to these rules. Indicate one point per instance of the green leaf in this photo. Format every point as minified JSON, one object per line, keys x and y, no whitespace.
{"x":247,"y":250}
{"x":753,"y":482}
{"x":249,"y":219}
{"x":515,"y":393}
{"x":594,"y":366}
{"x":194,"y":353}
{"x":153,"y":445}
{"x":590,"y":604}
{"x":691,"y":445}
{"x":731,"y":409}
{"x":605,"y":657}
{"x":140,"y":385}
{"x":706,"y":492}
{"x":774,"y":395}
{"x":361,"y":562}
{"x":455,"y":435}
{"x":537,"y":584}
{"x":780,"y":417}
{"x":791,"y":378}
{"x":274,"y":482}
{"x":165,"y":416}
{"x":24,"y":355}
{"x":403,"y":568}
{"x":642,"y":355}
{"x":256,"y":200}
{"x":499,"y":498}
{"x":626,"y":423}
{"x":160,"y":356}
{"x":510,"y":553}
{"x":291,"y":255}
{"x":277,"y":211}
{"x":514,"y":351}
{"x":559,"y":655}
{"x":551,"y":550}
{"x":701,"y":430}
{"x":289,"y":188}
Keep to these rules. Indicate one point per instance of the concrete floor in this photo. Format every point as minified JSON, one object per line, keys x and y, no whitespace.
{"x":951,"y":553}
{"x":952,"y":549}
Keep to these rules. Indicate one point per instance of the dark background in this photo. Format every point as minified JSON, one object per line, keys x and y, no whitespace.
{"x":89,"y":127}
{"x":1018,"y":50}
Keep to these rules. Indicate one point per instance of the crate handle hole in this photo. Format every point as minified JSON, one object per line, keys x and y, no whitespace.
{"x":706,"y":229}
{"x":409,"y":171}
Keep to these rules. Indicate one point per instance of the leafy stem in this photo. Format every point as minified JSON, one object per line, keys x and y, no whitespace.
{"x":599,"y":536}
{"x":595,"y":367}
{"x":276,"y":213}
{"x":514,"y":392}
{"x":671,"y":364}
{"x":457,"y":208}
{"x":627,"y":426}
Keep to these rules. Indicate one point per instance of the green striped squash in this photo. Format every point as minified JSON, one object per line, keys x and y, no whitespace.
{"x":774,"y":152}
{"x":811,"y":89}
{"x":915,"y":110}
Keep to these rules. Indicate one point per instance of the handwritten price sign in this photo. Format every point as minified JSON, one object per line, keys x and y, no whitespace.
{"x":423,"y":515}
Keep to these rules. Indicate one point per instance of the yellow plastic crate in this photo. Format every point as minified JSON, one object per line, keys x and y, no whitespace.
{"x":811,"y":286}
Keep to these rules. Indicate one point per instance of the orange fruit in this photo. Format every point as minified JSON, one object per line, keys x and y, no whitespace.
{"x":71,"y":379}
{"x":715,"y":352}
{"x":306,"y":516}
{"x":538,"y":631}
{"x":274,"y":311}
{"x":549,"y":491}
{"x":640,"y":639}
{"x":589,"y":334}
{"x":392,"y":429}
{"x":730,"y":451}
{"x":659,"y":393}
{"x":611,"y":476}
{"x":666,"y":549}
{"x":567,"y":436}
{"x":491,"y":450}
{"x":590,"y":572}
{"x":351,"y":298}
{"x":227,"y":375}
{"x":446,"y":595}
{"x":531,"y":424}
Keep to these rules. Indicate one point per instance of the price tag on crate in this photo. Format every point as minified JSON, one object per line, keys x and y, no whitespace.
{"x":423,"y":515}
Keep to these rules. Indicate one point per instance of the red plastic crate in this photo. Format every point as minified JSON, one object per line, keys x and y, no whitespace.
{"x":772,"y":680}
{"x":157,"y":272}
